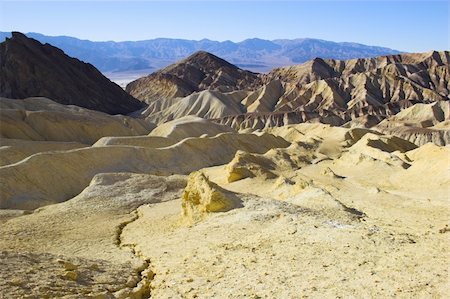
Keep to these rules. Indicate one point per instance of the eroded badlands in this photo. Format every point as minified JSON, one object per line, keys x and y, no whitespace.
{"x":196,"y":209}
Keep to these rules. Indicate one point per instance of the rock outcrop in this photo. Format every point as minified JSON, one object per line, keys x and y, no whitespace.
{"x":246,"y":165}
{"x":202,"y":197}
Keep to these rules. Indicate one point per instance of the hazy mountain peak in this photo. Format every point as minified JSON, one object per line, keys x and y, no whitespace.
{"x":203,"y":59}
{"x":203,"y":55}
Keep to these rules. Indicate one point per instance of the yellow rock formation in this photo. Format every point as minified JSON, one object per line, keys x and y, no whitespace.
{"x":202,"y":196}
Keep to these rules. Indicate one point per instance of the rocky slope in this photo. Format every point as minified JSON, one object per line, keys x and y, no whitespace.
{"x":200,"y":71}
{"x":359,"y":92}
{"x":29,"y":69}
{"x":353,"y":84}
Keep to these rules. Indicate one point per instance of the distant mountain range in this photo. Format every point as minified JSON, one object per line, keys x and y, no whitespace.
{"x":253,"y":54}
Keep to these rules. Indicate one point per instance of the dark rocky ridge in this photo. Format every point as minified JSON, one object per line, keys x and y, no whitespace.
{"x":29,"y":68}
{"x":198,"y":72}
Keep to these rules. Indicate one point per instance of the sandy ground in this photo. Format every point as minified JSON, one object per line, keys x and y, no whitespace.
{"x":337,"y":214}
{"x":336,"y":238}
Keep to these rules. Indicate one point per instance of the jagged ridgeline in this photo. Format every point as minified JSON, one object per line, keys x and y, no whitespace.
{"x":357,"y":92}
{"x":347,"y":89}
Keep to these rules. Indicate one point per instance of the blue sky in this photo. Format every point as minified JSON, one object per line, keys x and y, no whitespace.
{"x":413,"y":26}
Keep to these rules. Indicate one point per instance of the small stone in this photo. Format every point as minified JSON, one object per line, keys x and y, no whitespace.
{"x":16,"y":281}
{"x":69,"y":266}
{"x":445,"y":229}
{"x":72,"y":275}
{"x":132,"y":281}
{"x":292,"y":230}
{"x":94,"y":267}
